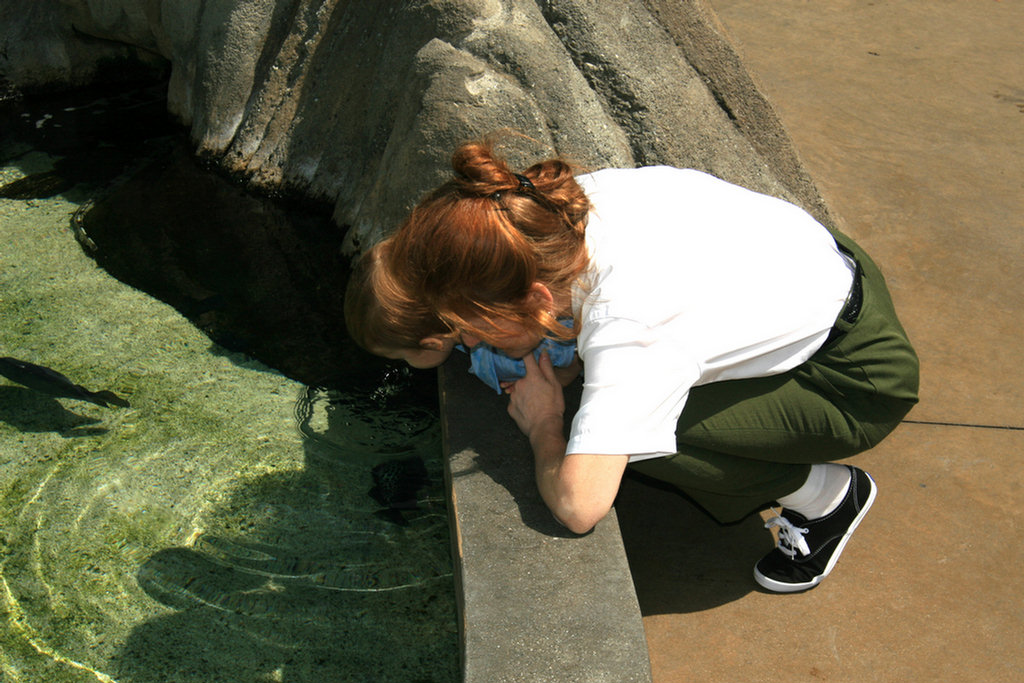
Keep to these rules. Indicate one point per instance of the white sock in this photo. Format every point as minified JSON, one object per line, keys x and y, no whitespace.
{"x":822,"y":493}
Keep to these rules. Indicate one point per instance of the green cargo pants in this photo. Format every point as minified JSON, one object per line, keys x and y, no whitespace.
{"x":743,"y":443}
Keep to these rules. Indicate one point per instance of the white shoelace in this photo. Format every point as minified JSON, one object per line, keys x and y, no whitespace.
{"x":791,"y":537}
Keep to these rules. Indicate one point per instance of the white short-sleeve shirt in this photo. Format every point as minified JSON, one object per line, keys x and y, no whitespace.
{"x":691,"y":280}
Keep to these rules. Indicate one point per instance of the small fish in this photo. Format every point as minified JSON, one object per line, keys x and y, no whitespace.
{"x":51,"y":382}
{"x":396,"y":485}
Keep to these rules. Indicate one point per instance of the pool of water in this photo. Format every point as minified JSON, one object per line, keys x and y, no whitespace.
{"x":238,"y":522}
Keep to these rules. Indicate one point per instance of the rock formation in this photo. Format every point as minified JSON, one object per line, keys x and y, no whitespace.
{"x":360,"y":103}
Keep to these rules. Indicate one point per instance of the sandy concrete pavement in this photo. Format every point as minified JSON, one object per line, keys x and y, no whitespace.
{"x":910,"y":118}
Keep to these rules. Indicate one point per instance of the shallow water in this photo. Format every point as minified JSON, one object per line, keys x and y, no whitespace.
{"x":232,"y":524}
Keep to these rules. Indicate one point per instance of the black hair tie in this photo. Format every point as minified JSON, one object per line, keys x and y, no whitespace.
{"x":524,"y":186}
{"x":524,"y":183}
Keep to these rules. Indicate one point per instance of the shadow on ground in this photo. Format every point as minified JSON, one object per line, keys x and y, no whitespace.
{"x":681,"y":559}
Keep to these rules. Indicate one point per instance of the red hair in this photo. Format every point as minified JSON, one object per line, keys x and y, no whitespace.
{"x":474,"y":246}
{"x":380,"y":313}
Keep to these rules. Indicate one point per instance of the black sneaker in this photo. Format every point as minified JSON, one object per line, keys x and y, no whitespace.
{"x":808,"y":549}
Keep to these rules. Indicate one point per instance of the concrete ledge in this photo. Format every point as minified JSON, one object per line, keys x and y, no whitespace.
{"x":537,"y":603}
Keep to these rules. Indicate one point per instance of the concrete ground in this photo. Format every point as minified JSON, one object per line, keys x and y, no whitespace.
{"x":910,"y":118}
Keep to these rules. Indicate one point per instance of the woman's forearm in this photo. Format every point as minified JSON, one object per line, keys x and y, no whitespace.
{"x":548,"y":446}
{"x":579,"y":489}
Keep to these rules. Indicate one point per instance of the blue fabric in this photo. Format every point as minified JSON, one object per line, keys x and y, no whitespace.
{"x":494,"y":367}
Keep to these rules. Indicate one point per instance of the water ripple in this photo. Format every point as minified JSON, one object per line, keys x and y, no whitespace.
{"x":110,"y":542}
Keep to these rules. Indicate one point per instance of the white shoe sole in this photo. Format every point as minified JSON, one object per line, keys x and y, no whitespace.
{"x":780,"y":587}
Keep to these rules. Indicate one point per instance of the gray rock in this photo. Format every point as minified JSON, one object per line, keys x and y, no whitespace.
{"x":361,"y":104}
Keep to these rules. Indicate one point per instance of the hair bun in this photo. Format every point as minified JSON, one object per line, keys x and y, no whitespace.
{"x":479,"y":171}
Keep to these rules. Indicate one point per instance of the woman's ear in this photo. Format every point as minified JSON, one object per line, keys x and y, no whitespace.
{"x":539,"y":295}
{"x":433,"y":343}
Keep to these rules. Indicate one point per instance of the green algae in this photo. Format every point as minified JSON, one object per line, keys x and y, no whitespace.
{"x":197,"y":535}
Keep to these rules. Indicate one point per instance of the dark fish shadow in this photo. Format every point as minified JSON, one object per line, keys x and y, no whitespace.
{"x":49,"y":381}
{"x":29,"y":411}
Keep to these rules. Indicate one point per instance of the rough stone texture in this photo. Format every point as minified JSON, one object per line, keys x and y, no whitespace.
{"x":695,"y":28}
{"x":360,"y":104}
{"x":539,"y":603}
{"x":41,"y":50}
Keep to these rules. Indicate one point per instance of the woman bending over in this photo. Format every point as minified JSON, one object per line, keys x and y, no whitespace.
{"x":731,"y":345}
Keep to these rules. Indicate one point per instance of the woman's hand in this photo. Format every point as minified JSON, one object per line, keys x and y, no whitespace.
{"x":570,"y":372}
{"x":536,"y":401}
